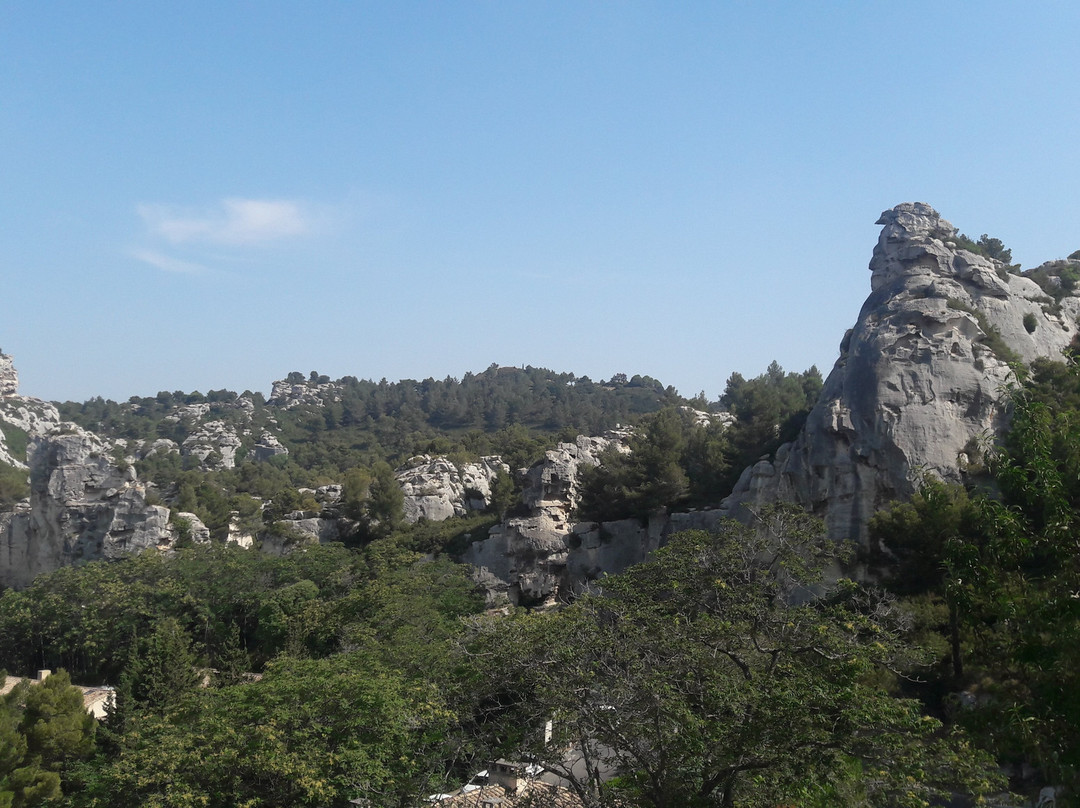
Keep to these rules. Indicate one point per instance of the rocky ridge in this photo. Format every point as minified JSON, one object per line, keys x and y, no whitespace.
{"x":9,"y":378}
{"x":437,"y":489}
{"x":921,"y":380}
{"x":289,"y":393}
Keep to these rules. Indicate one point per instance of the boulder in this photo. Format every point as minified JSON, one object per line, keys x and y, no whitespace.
{"x":197,"y":530}
{"x":287,"y":394}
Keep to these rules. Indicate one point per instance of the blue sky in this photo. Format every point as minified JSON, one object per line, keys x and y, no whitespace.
{"x":205,"y":195}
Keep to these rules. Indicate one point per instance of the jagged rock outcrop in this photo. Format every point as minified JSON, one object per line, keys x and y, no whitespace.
{"x":538,"y":560}
{"x":9,"y":377}
{"x":267,"y":447}
{"x":24,"y":418}
{"x":82,"y":507}
{"x":288,"y":393}
{"x":188,"y":526}
{"x":545,"y":556}
{"x":20,"y":416}
{"x":436,"y":488}
{"x":921,"y":378}
{"x":552,"y":486}
{"x":214,"y":433}
{"x":214,"y":444}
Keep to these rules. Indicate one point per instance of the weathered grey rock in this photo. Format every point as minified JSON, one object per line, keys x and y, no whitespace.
{"x":238,"y":535}
{"x":287,"y":395}
{"x":31,"y":416}
{"x":539,"y":561}
{"x":322,"y":530}
{"x":267,"y":447}
{"x":539,"y":558}
{"x":199,"y":532}
{"x":159,"y":446}
{"x":291,"y":535}
{"x":553,"y":484}
{"x":82,"y":507}
{"x":9,"y":377}
{"x":214,"y":443}
{"x":329,"y":494}
{"x":436,"y":489}
{"x":189,"y":412}
{"x":918,"y":385}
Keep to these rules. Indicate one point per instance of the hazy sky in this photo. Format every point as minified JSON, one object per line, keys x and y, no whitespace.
{"x":201,"y":195}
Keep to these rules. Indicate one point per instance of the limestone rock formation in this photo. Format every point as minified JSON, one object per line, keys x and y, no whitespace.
{"x":287,"y":393}
{"x":82,"y":507}
{"x":214,"y":443}
{"x":553,"y":485}
{"x":214,"y":432}
{"x":267,"y":447}
{"x":540,"y":560}
{"x":20,"y":416}
{"x":921,"y":377}
{"x":436,"y":489}
{"x":545,"y":555}
{"x":9,"y":378}
{"x":194,"y":527}
{"x":23,"y":418}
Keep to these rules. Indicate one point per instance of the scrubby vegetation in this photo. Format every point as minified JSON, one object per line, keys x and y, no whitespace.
{"x":707,"y":676}
{"x":678,"y":461}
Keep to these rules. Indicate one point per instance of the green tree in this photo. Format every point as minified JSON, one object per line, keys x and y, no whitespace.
{"x":44,"y":729}
{"x":726,"y":671}
{"x":163,"y":668}
{"x":311,"y":733}
{"x":385,"y":503}
{"x":933,"y":545}
{"x":1024,"y":620}
{"x":770,"y":409}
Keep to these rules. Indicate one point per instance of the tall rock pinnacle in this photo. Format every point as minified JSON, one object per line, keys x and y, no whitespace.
{"x":921,"y":378}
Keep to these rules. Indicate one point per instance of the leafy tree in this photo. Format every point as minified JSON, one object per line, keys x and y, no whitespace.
{"x":44,"y":728}
{"x":1024,"y":624}
{"x":770,"y":409}
{"x":933,"y":544}
{"x":310,"y":733}
{"x":163,"y":669}
{"x":14,"y":486}
{"x":726,"y":671}
{"x":386,"y":500}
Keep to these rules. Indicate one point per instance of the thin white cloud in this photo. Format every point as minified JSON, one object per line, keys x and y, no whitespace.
{"x":167,"y":263}
{"x":232,"y":222}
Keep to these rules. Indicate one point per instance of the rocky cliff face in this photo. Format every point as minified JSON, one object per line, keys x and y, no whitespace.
{"x":545,"y":556}
{"x":9,"y":379}
{"x":436,"y":488}
{"x":20,"y":417}
{"x":921,"y":378}
{"x":289,"y":393}
{"x":919,"y":388}
{"x":82,"y":507}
